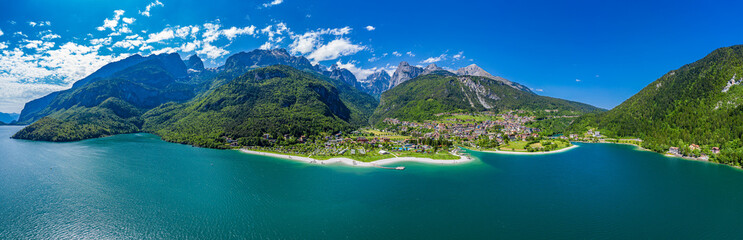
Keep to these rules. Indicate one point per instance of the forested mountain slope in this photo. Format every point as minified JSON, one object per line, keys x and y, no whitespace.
{"x":424,"y":96}
{"x":277,"y":100}
{"x":699,"y":103}
{"x":107,"y":106}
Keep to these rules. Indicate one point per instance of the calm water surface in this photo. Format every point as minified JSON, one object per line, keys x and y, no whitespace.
{"x":136,"y":186}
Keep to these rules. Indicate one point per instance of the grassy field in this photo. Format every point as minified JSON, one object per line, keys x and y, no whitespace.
{"x":518,"y":146}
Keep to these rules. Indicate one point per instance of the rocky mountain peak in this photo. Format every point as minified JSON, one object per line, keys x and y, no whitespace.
{"x":194,"y":63}
{"x":474,"y":70}
{"x":403,"y":73}
{"x":431,"y":68}
{"x":377,"y":82}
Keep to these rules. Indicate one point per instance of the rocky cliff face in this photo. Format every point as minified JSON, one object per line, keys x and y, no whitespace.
{"x":403,"y":73}
{"x":194,"y":64}
{"x":264,"y":58}
{"x":377,"y":82}
{"x":343,"y":75}
{"x":474,"y":70}
{"x":431,"y":68}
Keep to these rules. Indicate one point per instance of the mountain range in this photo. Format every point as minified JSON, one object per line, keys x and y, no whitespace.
{"x":259,"y":92}
{"x":422,"y":97}
{"x":8,"y":117}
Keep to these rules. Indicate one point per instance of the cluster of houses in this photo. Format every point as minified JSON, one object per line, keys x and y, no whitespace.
{"x":509,"y":125}
{"x":590,"y":135}
{"x":693,"y":147}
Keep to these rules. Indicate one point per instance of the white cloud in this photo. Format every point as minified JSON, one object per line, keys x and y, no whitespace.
{"x":233,"y":32}
{"x":13,"y":95}
{"x":308,"y":41}
{"x":50,"y":36}
{"x":539,"y":90}
{"x":212,"y":51}
{"x":3,"y":45}
{"x":1,"y":32}
{"x":111,"y":23}
{"x":435,"y":59}
{"x":211,"y":32}
{"x":267,"y":46}
{"x":275,"y":30}
{"x":273,"y":3}
{"x":101,"y":41}
{"x":397,"y":54}
{"x":124,"y":29}
{"x":370,"y":28}
{"x":24,"y":77}
{"x":131,"y":42}
{"x":577,"y":80}
{"x":304,"y":43}
{"x":40,"y":24}
{"x":34,"y":24}
{"x":458,"y":56}
{"x":32,"y":44}
{"x":190,"y":46}
{"x":335,"y":49}
{"x":163,"y":35}
{"x":362,"y":73}
{"x":183,"y":32}
{"x":149,"y":7}
{"x":128,"y":20}
{"x":165,"y":50}
{"x":145,"y":48}
{"x":410,"y":54}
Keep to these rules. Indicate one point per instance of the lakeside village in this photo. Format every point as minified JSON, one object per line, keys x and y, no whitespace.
{"x":693,"y":151}
{"x":435,"y":139}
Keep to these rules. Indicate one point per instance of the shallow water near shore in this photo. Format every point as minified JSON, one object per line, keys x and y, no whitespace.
{"x":137,"y":186}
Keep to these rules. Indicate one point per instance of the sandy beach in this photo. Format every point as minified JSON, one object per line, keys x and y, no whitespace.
{"x":529,"y":153}
{"x":351,"y":162}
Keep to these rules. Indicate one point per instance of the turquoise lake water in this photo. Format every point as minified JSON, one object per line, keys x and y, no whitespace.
{"x":138,"y":187}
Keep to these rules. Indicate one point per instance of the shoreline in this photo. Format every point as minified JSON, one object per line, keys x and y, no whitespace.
{"x":527,"y":153}
{"x":377,"y":163}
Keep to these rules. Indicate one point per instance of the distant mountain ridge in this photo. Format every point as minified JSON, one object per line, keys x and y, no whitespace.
{"x":152,"y":93}
{"x":192,"y":71}
{"x":171,"y":63}
{"x":8,"y":117}
{"x":377,"y":82}
{"x":108,"y":103}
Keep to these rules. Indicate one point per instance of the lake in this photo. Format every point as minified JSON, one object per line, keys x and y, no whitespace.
{"x":137,"y":186}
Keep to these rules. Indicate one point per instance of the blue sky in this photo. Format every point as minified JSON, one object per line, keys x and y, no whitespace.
{"x":597,"y":52}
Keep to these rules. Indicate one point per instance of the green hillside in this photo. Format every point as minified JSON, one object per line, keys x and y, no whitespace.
{"x":691,"y":105}
{"x":420,"y":98}
{"x":277,"y":100}
{"x":108,"y":106}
